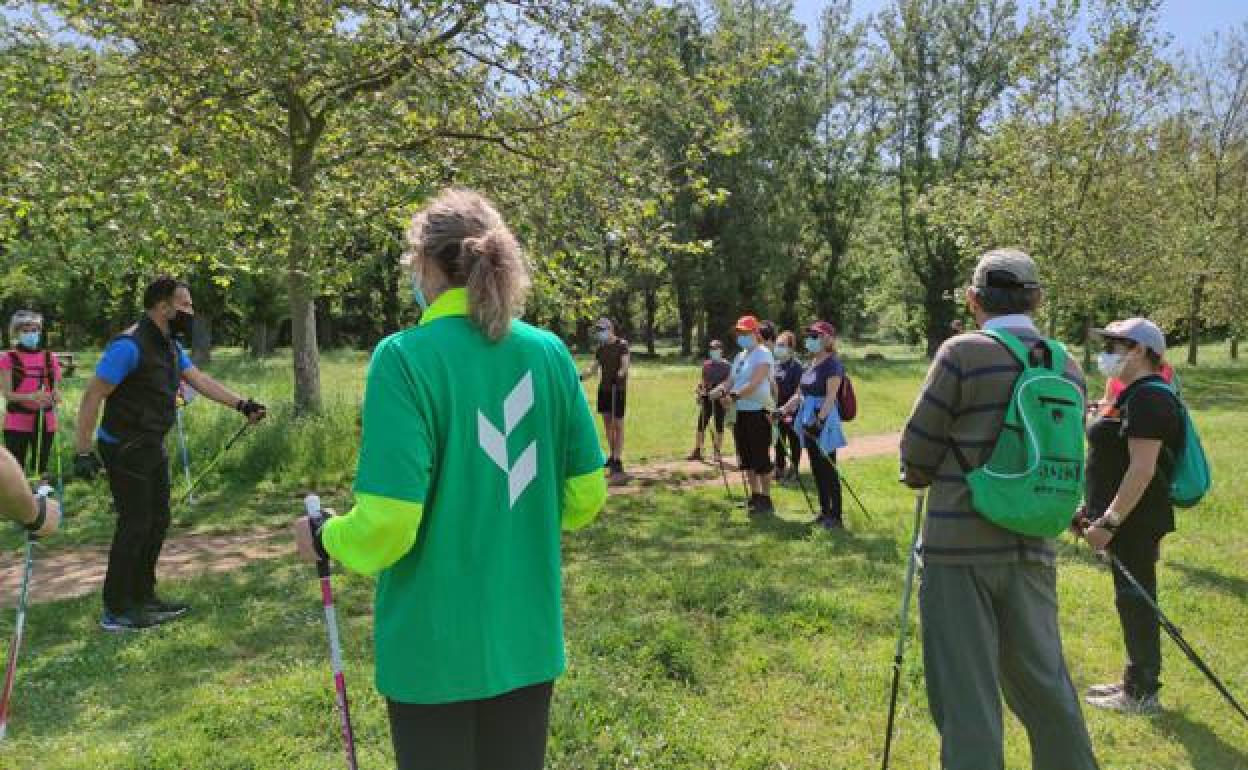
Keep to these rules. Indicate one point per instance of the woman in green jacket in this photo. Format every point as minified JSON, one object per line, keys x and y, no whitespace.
{"x":478,"y":447}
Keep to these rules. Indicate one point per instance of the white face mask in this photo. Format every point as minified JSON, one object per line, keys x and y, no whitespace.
{"x":1111,"y":364}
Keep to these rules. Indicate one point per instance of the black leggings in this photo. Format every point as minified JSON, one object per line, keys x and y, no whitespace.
{"x":827,"y":481}
{"x":788,"y":447}
{"x":1141,"y":629}
{"x":22,"y":445}
{"x":506,"y":732}
{"x":709,"y":408}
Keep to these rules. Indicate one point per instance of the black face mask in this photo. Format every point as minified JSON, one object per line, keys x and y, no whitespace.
{"x":180,"y":327}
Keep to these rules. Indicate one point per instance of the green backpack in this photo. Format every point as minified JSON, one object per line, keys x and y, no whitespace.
{"x":1191,"y":478}
{"x":1033,"y":480}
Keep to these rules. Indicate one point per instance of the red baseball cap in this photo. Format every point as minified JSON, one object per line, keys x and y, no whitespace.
{"x":747,"y":323}
{"x":821,"y":328}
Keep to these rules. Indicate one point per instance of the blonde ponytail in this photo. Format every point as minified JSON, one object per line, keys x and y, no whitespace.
{"x":498,"y":280}
{"x":466,"y":237}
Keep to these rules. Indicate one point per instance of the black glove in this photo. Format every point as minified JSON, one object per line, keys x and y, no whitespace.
{"x":814,"y":430}
{"x":250,"y":407}
{"x":86,"y":465}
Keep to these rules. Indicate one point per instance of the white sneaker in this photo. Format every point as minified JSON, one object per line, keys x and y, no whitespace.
{"x":1103,"y":690}
{"x":1124,"y":703}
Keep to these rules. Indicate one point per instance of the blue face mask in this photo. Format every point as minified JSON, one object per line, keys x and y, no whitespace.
{"x":29,"y":340}
{"x":783,"y":352}
{"x":603,"y":336}
{"x":745,"y":341}
{"x":716,"y":355}
{"x":814,"y":344}
{"x":418,"y":294}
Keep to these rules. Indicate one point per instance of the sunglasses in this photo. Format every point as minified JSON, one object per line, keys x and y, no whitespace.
{"x":1124,"y":345}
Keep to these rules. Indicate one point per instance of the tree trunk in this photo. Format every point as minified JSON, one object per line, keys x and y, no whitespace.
{"x":1193,"y":344}
{"x":1087,"y":341}
{"x":263,"y":338}
{"x":390,"y":304}
{"x":684,"y":310}
{"x":201,"y":339}
{"x":1234,"y":347}
{"x":652,"y":310}
{"x":299,"y":284}
{"x":940,"y":314}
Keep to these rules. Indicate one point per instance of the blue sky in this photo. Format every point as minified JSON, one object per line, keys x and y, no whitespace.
{"x":1190,"y":21}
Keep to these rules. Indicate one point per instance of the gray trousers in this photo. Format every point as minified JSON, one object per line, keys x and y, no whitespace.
{"x":988,"y":631}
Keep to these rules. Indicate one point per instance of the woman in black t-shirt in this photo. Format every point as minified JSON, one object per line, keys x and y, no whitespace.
{"x":1131,"y":446}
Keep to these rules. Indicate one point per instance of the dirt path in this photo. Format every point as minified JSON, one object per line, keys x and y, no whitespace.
{"x":65,"y":574}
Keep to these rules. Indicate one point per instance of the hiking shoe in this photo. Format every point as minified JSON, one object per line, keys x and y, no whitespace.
{"x":763,"y":506}
{"x":831,"y":523}
{"x":609,"y":465}
{"x":1103,"y":690}
{"x":162,"y":611}
{"x":132,"y":620}
{"x":618,"y":468}
{"x":751,"y":504}
{"x":695,"y":456}
{"x":1125,"y":703}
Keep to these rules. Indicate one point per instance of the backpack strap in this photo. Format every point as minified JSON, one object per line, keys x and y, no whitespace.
{"x":16,"y":370}
{"x":1055,"y":352}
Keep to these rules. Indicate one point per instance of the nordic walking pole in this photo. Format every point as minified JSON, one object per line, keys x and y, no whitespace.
{"x":1177,"y":636}
{"x":853,"y":494}
{"x":312,"y":504}
{"x":19,"y":628}
{"x":221,"y":453}
{"x":186,"y":457}
{"x":919,"y":498}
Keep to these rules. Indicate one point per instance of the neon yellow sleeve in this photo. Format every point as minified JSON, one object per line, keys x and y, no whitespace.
{"x":375,"y":534}
{"x":583,"y":498}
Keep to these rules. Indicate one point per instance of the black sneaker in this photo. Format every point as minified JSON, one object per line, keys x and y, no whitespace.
{"x":163,"y":611}
{"x":618,"y":467}
{"x":831,"y":523}
{"x":751,"y":504}
{"x":132,"y":620}
{"x":764,"y":506}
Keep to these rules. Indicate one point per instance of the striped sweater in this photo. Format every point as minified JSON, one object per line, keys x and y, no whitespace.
{"x":963,"y":402}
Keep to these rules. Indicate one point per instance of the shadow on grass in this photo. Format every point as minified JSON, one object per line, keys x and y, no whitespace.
{"x":1207,"y":750}
{"x":1233,"y":585}
{"x":244,"y":624}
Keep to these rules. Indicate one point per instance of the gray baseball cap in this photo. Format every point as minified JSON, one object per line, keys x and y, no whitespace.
{"x":1141,"y":331}
{"x":1006,"y":269}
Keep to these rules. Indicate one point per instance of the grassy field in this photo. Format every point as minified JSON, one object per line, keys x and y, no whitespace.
{"x":696,"y":638}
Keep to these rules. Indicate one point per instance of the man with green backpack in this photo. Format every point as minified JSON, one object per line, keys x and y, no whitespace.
{"x":997,"y":435}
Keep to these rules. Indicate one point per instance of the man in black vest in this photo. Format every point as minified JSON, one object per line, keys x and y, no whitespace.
{"x":137,"y":380}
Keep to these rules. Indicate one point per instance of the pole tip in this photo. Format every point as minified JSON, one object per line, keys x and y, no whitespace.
{"x":312,"y":504}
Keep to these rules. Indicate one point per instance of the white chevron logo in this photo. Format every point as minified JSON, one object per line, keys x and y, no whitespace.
{"x":494,"y":442}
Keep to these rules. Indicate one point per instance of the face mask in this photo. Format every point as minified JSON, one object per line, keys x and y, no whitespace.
{"x":418,"y":294}
{"x":716,"y":355}
{"x":603,"y":336}
{"x":783,"y":352}
{"x":814,"y":345}
{"x":180,"y":326}
{"x":1111,"y":364}
{"x":29,"y":340}
{"x":745,"y":341}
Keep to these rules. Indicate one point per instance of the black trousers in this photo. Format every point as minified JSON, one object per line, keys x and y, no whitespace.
{"x":709,"y":408}
{"x":827,"y":481}
{"x":138,"y":476}
{"x":506,"y":732}
{"x":1141,"y":629}
{"x":23,"y":446}
{"x":788,"y":447}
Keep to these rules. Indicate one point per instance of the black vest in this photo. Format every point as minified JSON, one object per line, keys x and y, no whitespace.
{"x":144,"y":406}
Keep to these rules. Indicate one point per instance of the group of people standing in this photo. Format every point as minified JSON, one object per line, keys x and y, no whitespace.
{"x":462,"y":527}
{"x":777,"y":406}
